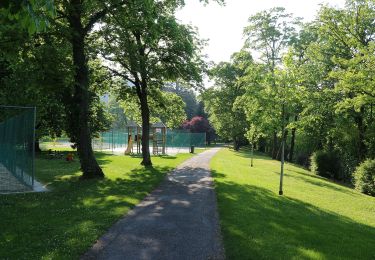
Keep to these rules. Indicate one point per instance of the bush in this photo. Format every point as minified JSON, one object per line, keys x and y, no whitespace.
{"x":326,"y":164}
{"x":303,"y":160}
{"x":364,"y":177}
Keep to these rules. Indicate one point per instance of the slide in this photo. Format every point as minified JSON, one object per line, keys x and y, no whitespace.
{"x":129,"y":149}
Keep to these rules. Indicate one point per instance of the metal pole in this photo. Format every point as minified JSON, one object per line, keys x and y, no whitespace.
{"x":252,"y":154}
{"x":282,"y":151}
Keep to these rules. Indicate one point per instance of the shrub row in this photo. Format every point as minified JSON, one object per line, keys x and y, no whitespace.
{"x":328,"y":164}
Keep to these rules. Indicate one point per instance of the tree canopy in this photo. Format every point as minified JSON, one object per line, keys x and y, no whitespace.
{"x":310,"y":89}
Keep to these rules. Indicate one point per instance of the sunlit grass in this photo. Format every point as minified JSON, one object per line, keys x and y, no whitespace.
{"x":315,"y":219}
{"x":63,"y":223}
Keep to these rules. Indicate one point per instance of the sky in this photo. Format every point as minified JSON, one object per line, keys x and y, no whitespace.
{"x":223,"y":25}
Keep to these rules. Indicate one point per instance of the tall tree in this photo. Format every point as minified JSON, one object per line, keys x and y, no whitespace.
{"x":270,"y":32}
{"x":229,"y":120}
{"x":352,"y":30}
{"x":76,"y":20}
{"x":147,"y":47}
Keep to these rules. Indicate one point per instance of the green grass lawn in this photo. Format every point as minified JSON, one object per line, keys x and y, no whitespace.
{"x":63,"y":223}
{"x":315,"y":219}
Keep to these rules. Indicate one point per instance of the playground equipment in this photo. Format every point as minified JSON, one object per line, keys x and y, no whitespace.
{"x":134,"y":136}
{"x":116,"y":141}
{"x":158,"y":137}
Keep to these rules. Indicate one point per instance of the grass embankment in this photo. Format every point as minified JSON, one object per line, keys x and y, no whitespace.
{"x":315,"y":219}
{"x":63,"y":223}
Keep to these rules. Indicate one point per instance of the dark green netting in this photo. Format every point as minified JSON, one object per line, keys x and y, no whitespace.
{"x":110,"y":140}
{"x":181,"y":139}
{"x":174,"y":138}
{"x":116,"y":139}
{"x":16,"y":148}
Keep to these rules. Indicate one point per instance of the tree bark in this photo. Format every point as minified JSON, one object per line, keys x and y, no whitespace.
{"x":142,"y":87}
{"x":145,"y":112}
{"x":292,"y":141}
{"x":81,"y":99}
{"x":37,"y":146}
{"x":362,"y":149}
{"x":236,"y":144}
{"x":274,"y":151}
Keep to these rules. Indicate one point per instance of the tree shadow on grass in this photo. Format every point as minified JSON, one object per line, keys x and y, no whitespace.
{"x":318,"y":181}
{"x":165,"y":156}
{"x":258,"y":224}
{"x":247,"y":154}
{"x":64,"y":223}
{"x":312,"y":175}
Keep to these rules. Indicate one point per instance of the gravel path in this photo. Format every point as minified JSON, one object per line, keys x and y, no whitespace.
{"x":178,"y":220}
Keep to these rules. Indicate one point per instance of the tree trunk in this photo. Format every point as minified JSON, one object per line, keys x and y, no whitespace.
{"x":292,"y":141}
{"x":262,"y":145}
{"x":252,"y":154}
{"x":141,"y":88}
{"x":236,"y":144}
{"x":37,"y":146}
{"x":81,"y":100}
{"x":362,"y":149}
{"x":145,"y":112}
{"x":274,"y":151}
{"x":282,"y":144}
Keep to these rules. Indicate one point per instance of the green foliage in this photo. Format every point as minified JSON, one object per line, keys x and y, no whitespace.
{"x":188,"y":96}
{"x":32,"y":15}
{"x":148,"y":44}
{"x":165,"y":106}
{"x":269,"y":32}
{"x":37,"y":74}
{"x":228,"y":120}
{"x":365,"y":177}
{"x":326,"y":164}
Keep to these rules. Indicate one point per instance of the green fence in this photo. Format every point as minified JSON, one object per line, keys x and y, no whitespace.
{"x":16,"y":147}
{"x":181,"y":139}
{"x":115,"y":139}
{"x":174,"y":138}
{"x":110,"y":140}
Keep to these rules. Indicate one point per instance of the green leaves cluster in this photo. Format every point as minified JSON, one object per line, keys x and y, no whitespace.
{"x":228,"y":120}
{"x":166,"y":107}
{"x":316,"y":77}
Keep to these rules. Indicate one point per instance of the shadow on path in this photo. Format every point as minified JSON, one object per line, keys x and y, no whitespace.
{"x":178,"y":220}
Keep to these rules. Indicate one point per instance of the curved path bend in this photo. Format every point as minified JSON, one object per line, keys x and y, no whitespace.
{"x":178,"y":220}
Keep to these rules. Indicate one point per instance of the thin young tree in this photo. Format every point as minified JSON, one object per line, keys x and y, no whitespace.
{"x":270,"y":32}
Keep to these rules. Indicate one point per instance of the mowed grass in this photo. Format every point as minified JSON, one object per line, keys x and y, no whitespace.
{"x":315,"y":219}
{"x":65,"y":222}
